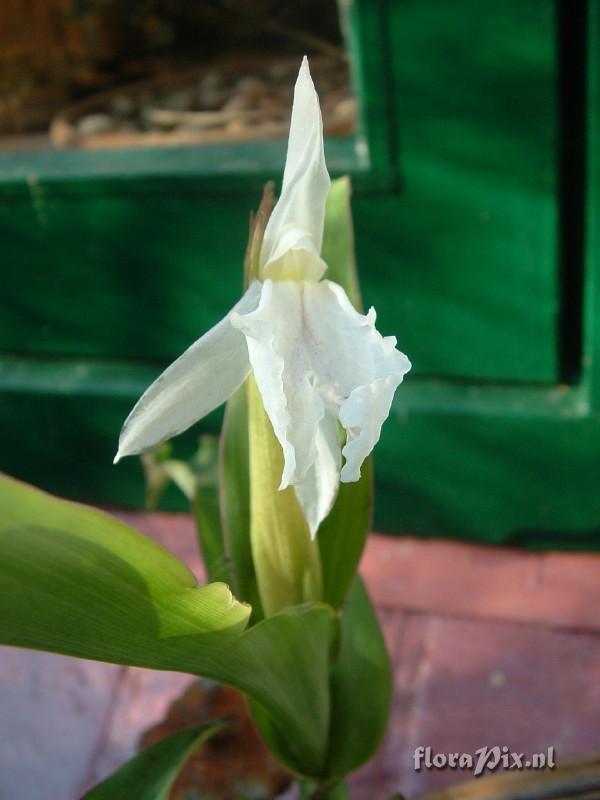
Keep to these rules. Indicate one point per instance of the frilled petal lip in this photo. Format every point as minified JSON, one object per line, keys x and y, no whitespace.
{"x":318,"y":364}
{"x":199,"y":381}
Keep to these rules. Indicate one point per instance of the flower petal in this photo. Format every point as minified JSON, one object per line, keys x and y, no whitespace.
{"x":283,"y":373}
{"x":356,"y":368}
{"x":317,"y":491}
{"x":202,"y":378}
{"x":362,"y":415}
{"x":316,"y":359}
{"x":294,"y":234}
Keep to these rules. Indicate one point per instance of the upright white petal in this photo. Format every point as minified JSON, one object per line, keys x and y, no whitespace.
{"x":294,"y":234}
{"x":194,"y":385}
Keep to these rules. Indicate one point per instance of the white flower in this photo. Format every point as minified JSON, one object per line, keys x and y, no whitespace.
{"x":317,"y":361}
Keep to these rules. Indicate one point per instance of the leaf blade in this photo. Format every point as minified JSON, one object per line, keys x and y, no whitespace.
{"x":357,"y":727}
{"x":151,"y":774}
{"x":75,"y":581}
{"x":234,"y":496}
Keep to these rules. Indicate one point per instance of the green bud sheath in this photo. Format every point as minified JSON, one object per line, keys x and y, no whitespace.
{"x":286,"y":560}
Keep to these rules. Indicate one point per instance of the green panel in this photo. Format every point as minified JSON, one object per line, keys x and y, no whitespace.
{"x":509,"y":467}
{"x":469,"y":462}
{"x":462,"y":265}
{"x":138,"y":277}
{"x":129,"y":254}
{"x":135,"y":253}
{"x":591,"y":341}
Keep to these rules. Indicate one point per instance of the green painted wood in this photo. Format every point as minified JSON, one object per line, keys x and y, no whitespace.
{"x":462,"y":262}
{"x":366,"y":33}
{"x":488,"y":463}
{"x":503,"y":466}
{"x":133,"y":254}
{"x":219,"y":169}
{"x":591,"y":340}
{"x":113,"y":263}
{"x":112,"y":275}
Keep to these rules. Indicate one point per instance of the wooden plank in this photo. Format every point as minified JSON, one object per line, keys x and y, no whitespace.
{"x":495,"y":476}
{"x":560,"y":590}
{"x":478,"y":683}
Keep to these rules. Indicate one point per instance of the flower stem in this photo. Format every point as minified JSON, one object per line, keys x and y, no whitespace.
{"x":330,"y":790}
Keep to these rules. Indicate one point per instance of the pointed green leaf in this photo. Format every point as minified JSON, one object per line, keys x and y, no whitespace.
{"x":151,"y":774}
{"x":234,"y":490}
{"x":343,"y":533}
{"x":205,"y":507}
{"x":358,"y":720}
{"x":338,"y":240}
{"x":207,"y":515}
{"x":76,"y":581}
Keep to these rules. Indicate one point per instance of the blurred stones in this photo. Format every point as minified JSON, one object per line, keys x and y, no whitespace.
{"x":62,"y":60}
{"x":233,"y":100}
{"x":93,"y":124}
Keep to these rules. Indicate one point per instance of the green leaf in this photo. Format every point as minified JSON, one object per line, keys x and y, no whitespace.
{"x":207,"y":515}
{"x":155,"y":477}
{"x":285,"y":664}
{"x":119,"y":584}
{"x":235,"y":499}
{"x":204,"y":500}
{"x":342,"y":535}
{"x":358,"y":718}
{"x":151,"y":774}
{"x":197,"y":479}
{"x":328,"y":790}
{"x":338,"y":240}
{"x":76,"y":581}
